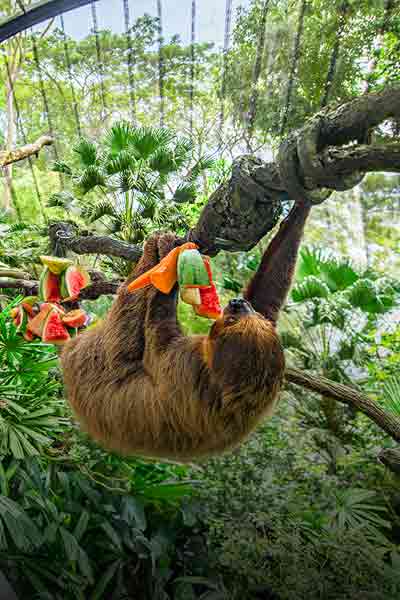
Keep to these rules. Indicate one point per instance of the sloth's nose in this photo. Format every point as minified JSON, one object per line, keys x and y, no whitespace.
{"x":236,"y":303}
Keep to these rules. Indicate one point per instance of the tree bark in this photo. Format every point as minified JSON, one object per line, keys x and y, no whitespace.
{"x":11,"y":156}
{"x":310,"y":165}
{"x":347,"y":395}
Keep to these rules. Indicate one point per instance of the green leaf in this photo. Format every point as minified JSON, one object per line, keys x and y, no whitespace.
{"x":81,"y":525}
{"x":311,"y":287}
{"x":87,"y":152}
{"x":105,"y":579}
{"x":71,"y":546}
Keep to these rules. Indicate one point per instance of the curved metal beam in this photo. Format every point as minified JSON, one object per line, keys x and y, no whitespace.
{"x":42,"y":11}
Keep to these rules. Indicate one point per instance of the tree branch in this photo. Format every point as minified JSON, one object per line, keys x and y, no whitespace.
{"x":247,"y":206}
{"x":347,"y":395}
{"x":13,"y":156}
{"x":92,"y":292}
{"x":64,"y":236}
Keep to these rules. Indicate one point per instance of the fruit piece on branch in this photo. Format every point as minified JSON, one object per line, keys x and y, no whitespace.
{"x":55,"y":264}
{"x":54,"y":330}
{"x":75,"y":318}
{"x":49,"y":286}
{"x":73,"y":280}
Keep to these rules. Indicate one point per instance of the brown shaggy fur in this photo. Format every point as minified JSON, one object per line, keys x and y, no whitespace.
{"x":139,"y":386}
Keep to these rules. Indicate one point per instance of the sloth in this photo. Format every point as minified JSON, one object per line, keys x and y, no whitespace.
{"x":139,"y":386}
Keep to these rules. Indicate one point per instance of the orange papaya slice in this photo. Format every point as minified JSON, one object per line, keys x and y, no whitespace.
{"x":75,"y":318}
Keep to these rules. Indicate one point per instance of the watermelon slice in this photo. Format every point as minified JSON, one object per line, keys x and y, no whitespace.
{"x":54,"y":331}
{"x":36,"y":324}
{"x":49,"y":286}
{"x":14,"y":312}
{"x":210,"y":306}
{"x":28,"y":335}
{"x":191,"y":269}
{"x":29,"y":305}
{"x":75,"y":318}
{"x":73,"y":280}
{"x":55,"y":264}
{"x":21,"y":319}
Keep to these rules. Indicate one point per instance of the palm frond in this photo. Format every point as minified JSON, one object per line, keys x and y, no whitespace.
{"x":185,"y":192}
{"x":311,"y":287}
{"x":62,"y":167}
{"x":119,"y":137}
{"x":391,"y":395}
{"x":147,"y":140}
{"x":90,"y":178}
{"x":337,"y":274}
{"x":363,"y":294}
{"x":62,"y":199}
{"x":183,"y":151}
{"x":87,"y":152}
{"x":123,"y":161}
{"x":102,"y":208}
{"x":163,"y":161}
{"x":203,"y":164}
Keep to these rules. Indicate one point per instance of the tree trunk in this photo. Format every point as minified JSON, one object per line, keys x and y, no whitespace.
{"x":10,"y":141}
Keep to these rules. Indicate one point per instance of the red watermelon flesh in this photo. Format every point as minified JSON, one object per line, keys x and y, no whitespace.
{"x":210,"y":306}
{"x":28,"y":335}
{"x":49,"y":286}
{"x":74,"y":279}
{"x":75,"y":318}
{"x":54,"y":331}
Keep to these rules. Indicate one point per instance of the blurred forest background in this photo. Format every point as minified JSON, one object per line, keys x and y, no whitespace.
{"x":146,"y":128}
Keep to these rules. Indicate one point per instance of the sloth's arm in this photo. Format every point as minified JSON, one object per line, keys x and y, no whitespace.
{"x":270,"y":285}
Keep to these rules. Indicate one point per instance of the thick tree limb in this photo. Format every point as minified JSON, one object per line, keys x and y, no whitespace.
{"x":309,"y":165}
{"x":92,"y":292}
{"x":63,"y":236}
{"x":347,"y":395}
{"x":13,"y":156}
{"x":29,"y":286}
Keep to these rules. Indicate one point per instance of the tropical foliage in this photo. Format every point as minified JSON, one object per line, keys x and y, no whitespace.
{"x":303,"y":510}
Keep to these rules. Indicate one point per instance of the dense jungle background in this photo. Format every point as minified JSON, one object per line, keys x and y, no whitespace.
{"x":146,"y":126}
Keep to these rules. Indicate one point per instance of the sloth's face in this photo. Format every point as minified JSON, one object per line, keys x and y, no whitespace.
{"x":237,"y":308}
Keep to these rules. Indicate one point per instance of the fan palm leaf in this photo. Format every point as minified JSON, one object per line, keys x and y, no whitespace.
{"x":87,"y":152}
{"x":311,"y":287}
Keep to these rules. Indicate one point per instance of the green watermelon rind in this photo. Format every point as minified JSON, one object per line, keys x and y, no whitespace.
{"x":191,"y":269}
{"x":66,"y":293}
{"x":21,"y":328}
{"x":46,"y":273}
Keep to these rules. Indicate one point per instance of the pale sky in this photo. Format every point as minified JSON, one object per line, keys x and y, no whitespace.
{"x":210,"y":18}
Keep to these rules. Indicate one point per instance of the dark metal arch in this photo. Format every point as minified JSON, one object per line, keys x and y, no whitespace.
{"x":42,"y":11}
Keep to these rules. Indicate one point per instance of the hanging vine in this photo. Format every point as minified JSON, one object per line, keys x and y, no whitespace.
{"x":71,"y":83}
{"x":256,"y":72}
{"x":192,"y":63}
{"x":100,"y":65}
{"x":131,"y":61}
{"x":293,"y":67}
{"x":228,"y":18}
{"x":342,"y":20}
{"x":161,"y":72}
